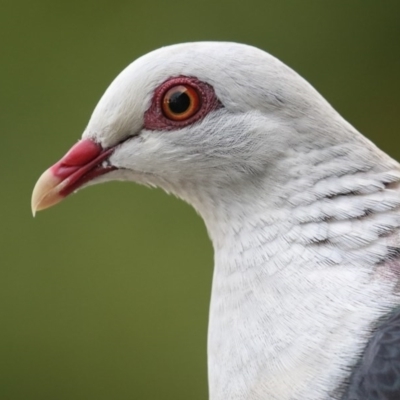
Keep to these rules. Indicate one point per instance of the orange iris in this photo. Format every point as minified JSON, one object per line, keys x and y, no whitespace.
{"x":180,"y":102}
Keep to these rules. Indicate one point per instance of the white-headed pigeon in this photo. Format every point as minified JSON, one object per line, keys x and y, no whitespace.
{"x":302,"y":210}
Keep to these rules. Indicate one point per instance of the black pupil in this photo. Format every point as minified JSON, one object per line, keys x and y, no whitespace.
{"x":179,"y":102}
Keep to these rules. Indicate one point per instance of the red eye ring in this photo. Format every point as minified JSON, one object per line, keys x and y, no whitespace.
{"x":180,"y":102}
{"x":157,"y":118}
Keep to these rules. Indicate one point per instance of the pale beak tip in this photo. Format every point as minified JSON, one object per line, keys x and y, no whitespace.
{"x":46,"y":192}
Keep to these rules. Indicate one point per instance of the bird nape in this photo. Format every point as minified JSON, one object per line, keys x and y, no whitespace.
{"x":302,"y":210}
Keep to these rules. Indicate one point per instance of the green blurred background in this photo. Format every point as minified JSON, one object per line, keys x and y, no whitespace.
{"x":106,"y":295}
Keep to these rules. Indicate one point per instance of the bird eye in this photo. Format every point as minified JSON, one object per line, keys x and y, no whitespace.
{"x":180,"y":102}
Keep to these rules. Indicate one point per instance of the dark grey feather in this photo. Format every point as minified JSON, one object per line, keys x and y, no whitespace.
{"x":377,"y":375}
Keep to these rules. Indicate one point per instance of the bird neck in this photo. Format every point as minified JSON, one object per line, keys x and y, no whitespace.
{"x":318,"y":198}
{"x":305,"y":262}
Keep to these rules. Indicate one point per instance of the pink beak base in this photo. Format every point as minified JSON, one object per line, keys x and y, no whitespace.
{"x":81,"y":164}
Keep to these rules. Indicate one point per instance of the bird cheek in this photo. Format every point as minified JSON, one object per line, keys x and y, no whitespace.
{"x":125,"y":157}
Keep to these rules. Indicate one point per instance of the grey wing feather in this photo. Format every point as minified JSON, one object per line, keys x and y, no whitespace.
{"x":377,"y":376}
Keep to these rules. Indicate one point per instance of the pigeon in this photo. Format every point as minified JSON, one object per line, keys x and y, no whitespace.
{"x":303,"y":212}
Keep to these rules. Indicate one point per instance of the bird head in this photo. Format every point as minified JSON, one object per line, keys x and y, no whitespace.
{"x":192,"y":118}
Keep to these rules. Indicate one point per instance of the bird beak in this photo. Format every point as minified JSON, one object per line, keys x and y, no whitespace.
{"x":83,"y":162}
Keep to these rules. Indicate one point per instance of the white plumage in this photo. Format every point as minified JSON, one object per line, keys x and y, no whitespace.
{"x":302,"y":210}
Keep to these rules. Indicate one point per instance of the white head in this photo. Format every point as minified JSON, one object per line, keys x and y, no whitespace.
{"x":262,"y":101}
{"x":253,"y":113}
